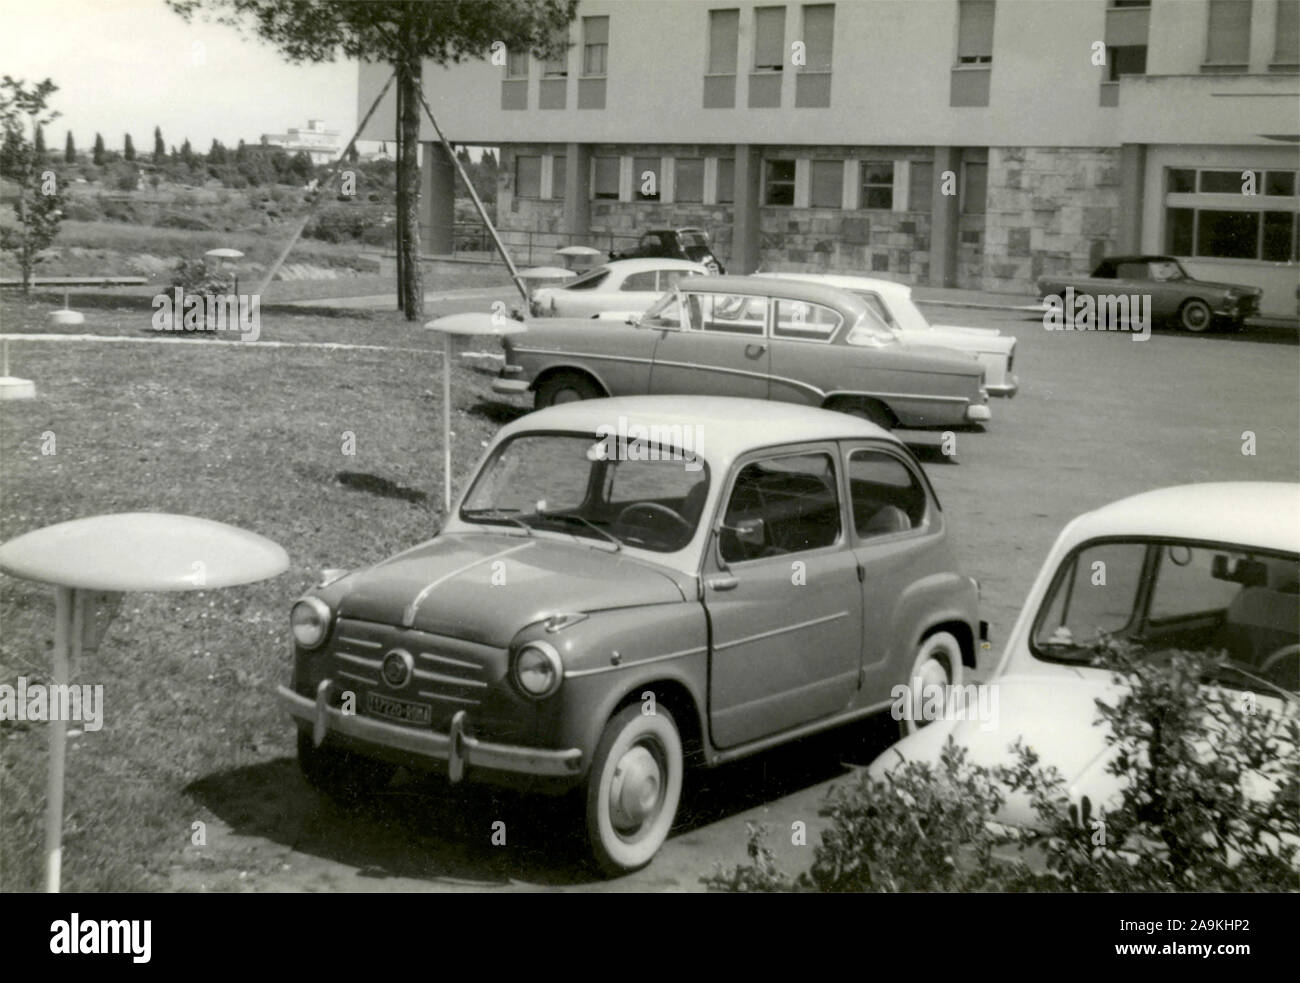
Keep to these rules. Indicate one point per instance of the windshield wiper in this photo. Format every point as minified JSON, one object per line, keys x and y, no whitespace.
{"x":568,"y":517}
{"x":498,"y":515}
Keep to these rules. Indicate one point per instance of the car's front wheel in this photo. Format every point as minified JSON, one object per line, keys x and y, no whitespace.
{"x":565,"y":387}
{"x":345,"y":777}
{"x":1195,"y":315}
{"x":634,"y":787}
{"x":937,"y":662}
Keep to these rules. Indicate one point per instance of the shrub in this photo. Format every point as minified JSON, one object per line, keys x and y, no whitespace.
{"x":194,"y":276}
{"x":191,"y":223}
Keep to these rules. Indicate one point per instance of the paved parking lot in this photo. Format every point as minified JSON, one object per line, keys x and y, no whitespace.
{"x":1099,"y":416}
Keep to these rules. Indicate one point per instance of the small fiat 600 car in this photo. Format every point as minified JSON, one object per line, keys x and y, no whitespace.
{"x":1211,"y":567}
{"x":756,"y":338}
{"x":629,"y":586}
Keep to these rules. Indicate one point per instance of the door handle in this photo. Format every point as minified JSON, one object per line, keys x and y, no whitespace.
{"x":755,"y":350}
{"x":721,"y":583}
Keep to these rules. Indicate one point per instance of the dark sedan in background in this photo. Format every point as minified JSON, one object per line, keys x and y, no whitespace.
{"x":1177,"y":298}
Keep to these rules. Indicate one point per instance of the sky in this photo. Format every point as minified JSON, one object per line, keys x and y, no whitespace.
{"x":126,"y":66}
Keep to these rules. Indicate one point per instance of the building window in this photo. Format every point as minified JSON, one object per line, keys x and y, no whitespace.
{"x":1270,"y":236}
{"x":1130,"y":3}
{"x":778,"y":182}
{"x":827,"y":184}
{"x":559,"y":171}
{"x":769,"y":39}
{"x":878,"y":184}
{"x":975,"y":188}
{"x":688,"y":179}
{"x":595,"y":46}
{"x":1229,"y":34}
{"x":920,"y":186}
{"x":645,"y":178}
{"x":605,"y":185}
{"x":558,"y":67}
{"x":517,"y":64}
{"x":726,"y":180}
{"x":528,"y":177}
{"x":720,"y":74}
{"x":1125,"y":60}
{"x":975,"y":32}
{"x":1280,"y":183}
{"x":813,"y":82}
{"x":1182,"y":180}
{"x":1286,"y":51}
{"x":1211,"y":181}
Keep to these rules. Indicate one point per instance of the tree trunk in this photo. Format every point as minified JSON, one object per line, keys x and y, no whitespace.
{"x":25,"y":254}
{"x":408,"y":192}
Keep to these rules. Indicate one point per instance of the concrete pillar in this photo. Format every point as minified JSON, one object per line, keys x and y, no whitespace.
{"x":1132,"y":183}
{"x":945,"y":214}
{"x":746,"y":232}
{"x":437,"y":200}
{"x":577,"y":193}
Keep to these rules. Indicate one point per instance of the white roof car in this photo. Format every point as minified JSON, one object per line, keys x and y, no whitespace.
{"x":628,"y":286}
{"x":1204,"y":567}
{"x":893,"y":301}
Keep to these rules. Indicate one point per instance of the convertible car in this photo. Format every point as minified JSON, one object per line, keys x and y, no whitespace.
{"x":782,"y":340}
{"x":629,"y":587}
{"x":1210,"y":567}
{"x":1177,"y":298}
{"x":626,"y":285}
{"x":893,"y":302}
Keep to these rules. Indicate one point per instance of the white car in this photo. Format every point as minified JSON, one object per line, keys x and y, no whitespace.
{"x":628,"y":286}
{"x":1199,"y":567}
{"x":893,"y":301}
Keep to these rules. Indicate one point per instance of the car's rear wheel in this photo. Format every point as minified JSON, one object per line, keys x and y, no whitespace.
{"x":565,"y":387}
{"x":347,"y":778}
{"x":1195,"y":315}
{"x":865,"y":409}
{"x":937,"y":662}
{"x":634,"y":788}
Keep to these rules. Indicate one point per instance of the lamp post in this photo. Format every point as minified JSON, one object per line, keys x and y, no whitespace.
{"x":91,"y":563}
{"x":472,"y":323}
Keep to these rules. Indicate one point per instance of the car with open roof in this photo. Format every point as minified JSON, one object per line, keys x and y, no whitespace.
{"x":783,"y":340}
{"x":628,"y":587}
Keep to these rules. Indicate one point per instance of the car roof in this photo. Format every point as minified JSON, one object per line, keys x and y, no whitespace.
{"x":847,"y":281}
{"x":727,"y":426}
{"x":642,"y":264}
{"x":820,"y":293}
{"x":1261,"y":514}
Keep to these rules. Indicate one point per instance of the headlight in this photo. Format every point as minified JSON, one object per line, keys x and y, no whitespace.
{"x":538,"y":669}
{"x":310,"y":620}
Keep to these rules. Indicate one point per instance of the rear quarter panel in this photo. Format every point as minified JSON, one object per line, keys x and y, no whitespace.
{"x":616,"y":354}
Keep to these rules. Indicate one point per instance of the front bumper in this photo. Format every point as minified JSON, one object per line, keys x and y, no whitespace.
{"x":456,"y":748}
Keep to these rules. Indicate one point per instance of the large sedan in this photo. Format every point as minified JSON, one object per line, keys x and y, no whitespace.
{"x":625,"y":285}
{"x":786,"y":341}
{"x":893,"y":302}
{"x":1177,"y":297}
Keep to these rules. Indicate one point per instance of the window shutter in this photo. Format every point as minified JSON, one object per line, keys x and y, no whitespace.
{"x":724,"y":31}
{"x":1229,"y":32}
{"x":975,"y":29}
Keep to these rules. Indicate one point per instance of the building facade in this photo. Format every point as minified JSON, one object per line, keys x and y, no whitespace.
{"x":971,"y":143}
{"x":319,"y":141}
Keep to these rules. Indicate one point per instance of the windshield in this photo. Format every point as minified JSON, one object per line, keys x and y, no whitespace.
{"x":1164,"y":595}
{"x":628,"y":485}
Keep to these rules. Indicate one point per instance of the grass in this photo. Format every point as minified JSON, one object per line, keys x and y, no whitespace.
{"x":247,"y":435}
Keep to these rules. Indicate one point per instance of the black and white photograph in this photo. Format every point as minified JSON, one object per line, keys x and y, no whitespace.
{"x":651,"y":447}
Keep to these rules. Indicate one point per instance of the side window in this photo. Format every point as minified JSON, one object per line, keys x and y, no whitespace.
{"x":1133,"y":271}
{"x":781,"y":505}
{"x":669,"y":278}
{"x":887,"y":496}
{"x":728,"y":313}
{"x":878,"y":306}
{"x":640,"y":281}
{"x":805,"y":321}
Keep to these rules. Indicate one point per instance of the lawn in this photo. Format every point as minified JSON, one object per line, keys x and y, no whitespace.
{"x":251,"y":435}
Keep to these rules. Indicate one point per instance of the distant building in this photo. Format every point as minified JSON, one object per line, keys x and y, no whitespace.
{"x":321,"y":144}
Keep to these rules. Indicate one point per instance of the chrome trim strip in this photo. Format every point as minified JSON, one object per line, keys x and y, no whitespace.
{"x":450,"y":661}
{"x":364,"y":643}
{"x":904,"y":397}
{"x":408,"y":617}
{"x":595,"y":355}
{"x":434,"y":677}
{"x":576,"y":673}
{"x":360,"y":679}
{"x":357,"y":659}
{"x":779,"y":631}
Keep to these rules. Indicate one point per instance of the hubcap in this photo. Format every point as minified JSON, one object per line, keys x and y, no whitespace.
{"x":1196,"y":317}
{"x":567,"y":396}
{"x":933,"y":673}
{"x":635,"y":791}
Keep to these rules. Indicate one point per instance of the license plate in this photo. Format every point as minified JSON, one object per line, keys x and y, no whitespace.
{"x":401,"y":710}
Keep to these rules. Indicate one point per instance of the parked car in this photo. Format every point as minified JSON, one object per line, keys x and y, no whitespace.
{"x":759,"y":338}
{"x":893,"y":302}
{"x":627,"y":586}
{"x":1202,"y":567}
{"x":628,"y":285}
{"x":684,"y":243}
{"x":1177,"y":298}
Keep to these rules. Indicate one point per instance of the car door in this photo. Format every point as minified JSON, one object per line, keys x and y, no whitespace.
{"x":802,"y":359}
{"x":897,"y":541}
{"x":782,"y":595}
{"x":722,"y":349}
